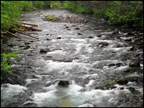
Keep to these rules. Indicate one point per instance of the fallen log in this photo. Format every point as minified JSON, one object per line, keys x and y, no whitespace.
{"x":14,"y":35}
{"x":26,"y":23}
{"x":26,"y":34}
{"x":36,"y":28}
{"x":31,"y":28}
{"x":3,"y":32}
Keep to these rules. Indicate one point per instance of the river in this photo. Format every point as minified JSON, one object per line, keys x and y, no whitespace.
{"x":98,"y":61}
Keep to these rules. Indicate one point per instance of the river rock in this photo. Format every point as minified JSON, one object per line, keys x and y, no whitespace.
{"x":77,"y":28}
{"x":27,"y":43}
{"x":79,"y":34}
{"x":43,"y":51}
{"x":99,"y":36}
{"x":90,"y":37}
{"x":63,"y":83}
{"x":58,"y":38}
{"x":102,"y":44}
{"x":122,"y":81}
{"x":19,"y":40}
{"x":132,"y":89}
{"x":130,"y":33}
{"x":47,"y":39}
{"x":67,"y":27}
{"x":27,"y":47}
{"x":132,"y":48}
{"x":134,"y":77}
{"x":134,"y":64}
{"x":11,"y":45}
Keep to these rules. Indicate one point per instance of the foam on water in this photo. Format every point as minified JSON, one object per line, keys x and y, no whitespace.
{"x":83,"y":47}
{"x":8,"y":91}
{"x":73,"y":97}
{"x":53,"y":66}
{"x":56,"y":52}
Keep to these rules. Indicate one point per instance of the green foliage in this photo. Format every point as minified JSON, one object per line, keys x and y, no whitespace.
{"x":124,"y":13}
{"x":55,"y":3}
{"x":99,"y":13}
{"x":5,"y":65}
{"x":38,"y":4}
{"x":75,"y":7}
{"x":11,"y":10}
{"x":51,"y":18}
{"x":118,"y":14}
{"x":26,"y":5}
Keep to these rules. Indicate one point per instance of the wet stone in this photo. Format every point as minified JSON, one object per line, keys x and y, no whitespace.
{"x":19,"y":40}
{"x":111,"y":65}
{"x":119,"y":45}
{"x":132,"y":89}
{"x":132,"y":48}
{"x":90,"y":37}
{"x":133,"y":78}
{"x":134,"y":64}
{"x":43,"y":51}
{"x":67,"y":27}
{"x":102,"y":44}
{"x":122,"y":81}
{"x":27,"y":43}
{"x":27,"y":47}
{"x":79,"y":34}
{"x":11,"y":45}
{"x":115,"y":32}
{"x":119,"y":64}
{"x":121,"y":88}
{"x":63,"y":83}
{"x":48,"y":57}
{"x":58,"y":38}
{"x":77,"y":28}
{"x":130,"y":33}
{"x":68,"y":60}
{"x":31,"y":41}
{"x":99,"y":36}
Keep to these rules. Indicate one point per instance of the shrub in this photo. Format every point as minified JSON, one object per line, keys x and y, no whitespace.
{"x":123,"y":13}
{"x":5,"y":64}
{"x":51,"y":18}
{"x":55,"y":3}
{"x":38,"y":4}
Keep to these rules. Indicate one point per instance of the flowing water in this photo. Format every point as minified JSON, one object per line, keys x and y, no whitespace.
{"x":93,"y":58}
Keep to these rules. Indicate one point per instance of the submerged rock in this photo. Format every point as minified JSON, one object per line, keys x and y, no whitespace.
{"x":43,"y":51}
